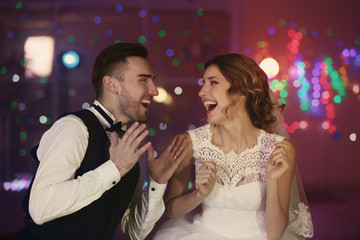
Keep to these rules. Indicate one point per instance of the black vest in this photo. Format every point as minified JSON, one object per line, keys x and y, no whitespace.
{"x":99,"y":219}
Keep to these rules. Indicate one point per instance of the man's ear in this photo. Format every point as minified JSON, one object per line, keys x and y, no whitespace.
{"x":110,"y":84}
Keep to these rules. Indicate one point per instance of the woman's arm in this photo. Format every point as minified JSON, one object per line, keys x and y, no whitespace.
{"x":279,"y":174}
{"x":178,"y":200}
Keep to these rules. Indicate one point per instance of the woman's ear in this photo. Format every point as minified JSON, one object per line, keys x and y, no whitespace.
{"x":110,"y":84}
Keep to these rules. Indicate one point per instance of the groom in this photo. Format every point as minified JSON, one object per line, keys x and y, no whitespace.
{"x":88,"y":178}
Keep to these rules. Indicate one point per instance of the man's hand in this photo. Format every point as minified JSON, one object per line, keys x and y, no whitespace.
{"x":124,"y":153}
{"x":162,"y":168}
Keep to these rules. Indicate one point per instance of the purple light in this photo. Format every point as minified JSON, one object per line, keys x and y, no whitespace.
{"x":292,"y":24}
{"x":247,"y":50}
{"x":169,"y":52}
{"x":97,"y":19}
{"x":317,"y":87}
{"x":315,"y":34}
{"x":57,"y":32}
{"x":345,"y":52}
{"x":340,"y":43}
{"x":155,"y":19}
{"x":352,"y":52}
{"x":142,"y":13}
{"x":315,"y":102}
{"x":108,"y":32}
{"x":227,"y":41}
{"x":10,"y":34}
{"x":316,"y":72}
{"x":119,"y":8}
{"x":272,"y":31}
{"x":316,"y":94}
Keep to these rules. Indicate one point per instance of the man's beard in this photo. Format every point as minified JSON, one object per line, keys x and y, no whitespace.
{"x":131,"y":107}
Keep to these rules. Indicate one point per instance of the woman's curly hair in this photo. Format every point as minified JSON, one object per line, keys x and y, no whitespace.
{"x":248,"y":79}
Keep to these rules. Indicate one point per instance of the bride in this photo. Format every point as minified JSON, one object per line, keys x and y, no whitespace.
{"x":245,"y":169}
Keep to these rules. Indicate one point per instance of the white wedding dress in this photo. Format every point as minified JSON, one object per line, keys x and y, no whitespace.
{"x":235,"y":208}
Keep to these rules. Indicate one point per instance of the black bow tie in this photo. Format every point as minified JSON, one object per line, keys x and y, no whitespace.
{"x":114,"y":127}
{"x":117,"y":127}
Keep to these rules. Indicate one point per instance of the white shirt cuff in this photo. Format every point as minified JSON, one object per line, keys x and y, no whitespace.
{"x":109,"y":172}
{"x":156,"y":190}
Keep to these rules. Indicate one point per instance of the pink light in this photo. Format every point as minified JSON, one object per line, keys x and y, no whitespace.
{"x":291,"y":129}
{"x":303,"y":124}
{"x":325,"y":124}
{"x":332,"y":129}
{"x":291,"y":32}
{"x":295,"y":125}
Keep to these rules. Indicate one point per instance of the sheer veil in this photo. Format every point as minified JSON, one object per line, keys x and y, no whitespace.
{"x":300,"y":223}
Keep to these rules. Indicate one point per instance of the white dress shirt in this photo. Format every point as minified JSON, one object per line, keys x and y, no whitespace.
{"x":55,"y":192}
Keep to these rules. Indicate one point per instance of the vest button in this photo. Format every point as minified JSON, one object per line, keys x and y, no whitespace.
{"x":113,"y":182}
{"x":152,"y":189}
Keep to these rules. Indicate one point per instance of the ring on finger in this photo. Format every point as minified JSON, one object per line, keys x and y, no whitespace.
{"x":175,"y":157}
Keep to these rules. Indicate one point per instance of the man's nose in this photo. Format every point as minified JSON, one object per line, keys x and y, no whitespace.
{"x":153,"y":89}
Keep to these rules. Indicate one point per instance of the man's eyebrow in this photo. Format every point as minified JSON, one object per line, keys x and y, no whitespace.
{"x":147,"y":76}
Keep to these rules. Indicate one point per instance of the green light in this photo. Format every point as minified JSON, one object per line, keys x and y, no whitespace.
{"x":310,"y":53}
{"x":44,"y":79}
{"x":186,"y":32}
{"x":304,"y":106}
{"x":117,"y":41}
{"x":301,"y":65}
{"x":200,"y":12}
{"x":261,"y":44}
{"x":23,"y":135}
{"x":48,"y":121}
{"x":282,"y":22}
{"x":3,"y":70}
{"x":302,"y":79}
{"x":22,"y":62}
{"x":303,"y":31}
{"x":337,"y":99}
{"x":18,"y":5}
{"x":302,"y":93}
{"x":283,"y":84}
{"x":200,"y":66}
{"x":283,"y":94}
{"x":206,"y":39}
{"x":175,"y":62}
{"x":189,"y":185}
{"x":142,"y":39}
{"x":281,"y":100}
{"x":342,"y":92}
{"x":13,"y":105}
{"x":335,"y":75}
{"x":357,"y":41}
{"x":306,"y":86}
{"x":151,"y":132}
{"x":70,"y":39}
{"x":274,"y":83}
{"x":328,"y":61}
{"x":162,"y":33}
{"x":19,"y":36}
{"x":96,"y":38}
{"x":18,"y":120}
{"x":329,"y":32}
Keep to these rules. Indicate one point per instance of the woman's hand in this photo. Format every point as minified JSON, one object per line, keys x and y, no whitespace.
{"x":278,"y":163}
{"x":205,"y":179}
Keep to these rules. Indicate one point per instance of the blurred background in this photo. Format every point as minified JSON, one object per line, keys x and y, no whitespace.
{"x":310,"y":50}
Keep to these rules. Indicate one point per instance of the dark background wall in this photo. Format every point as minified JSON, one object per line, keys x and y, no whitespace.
{"x":195,"y":30}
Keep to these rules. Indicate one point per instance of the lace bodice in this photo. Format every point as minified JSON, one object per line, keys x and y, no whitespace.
{"x":234,"y":169}
{"x":236,"y":205}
